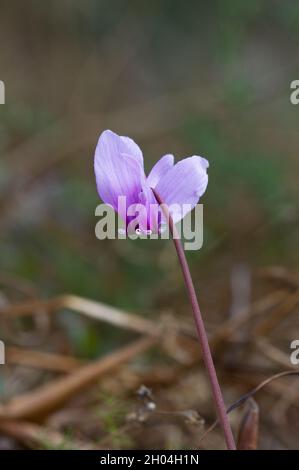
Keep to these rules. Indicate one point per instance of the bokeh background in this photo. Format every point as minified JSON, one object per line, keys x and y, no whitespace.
{"x":207,"y":78}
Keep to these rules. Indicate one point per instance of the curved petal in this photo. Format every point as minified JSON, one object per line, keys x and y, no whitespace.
{"x":147,"y":198}
{"x":160,"y":169}
{"x":184,"y":184}
{"x":131,"y":148}
{"x":118,"y":172}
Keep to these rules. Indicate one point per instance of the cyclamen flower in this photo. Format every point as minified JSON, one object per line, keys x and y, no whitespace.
{"x":176,"y":189}
{"x":119,"y":172}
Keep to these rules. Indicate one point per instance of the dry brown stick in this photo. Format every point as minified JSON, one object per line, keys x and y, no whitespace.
{"x":99,"y":311}
{"x":33,"y":435}
{"x":41,"y":360}
{"x":89,"y":308}
{"x":40,"y":402}
{"x":281,"y":275}
{"x":273,"y":353}
{"x":259,"y":307}
{"x":103,"y":312}
{"x":281,"y":312}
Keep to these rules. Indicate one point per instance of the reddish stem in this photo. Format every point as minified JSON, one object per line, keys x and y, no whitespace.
{"x":201,"y":332}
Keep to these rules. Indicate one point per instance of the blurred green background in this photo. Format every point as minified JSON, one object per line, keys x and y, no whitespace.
{"x":207,"y":78}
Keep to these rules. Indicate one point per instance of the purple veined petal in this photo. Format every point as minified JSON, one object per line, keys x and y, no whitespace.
{"x":118,"y":172}
{"x":153,"y":213}
{"x":160,"y":169}
{"x":185,"y":183}
{"x":131,"y":148}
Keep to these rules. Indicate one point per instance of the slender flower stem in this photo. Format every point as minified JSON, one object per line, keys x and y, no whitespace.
{"x":201,"y":332}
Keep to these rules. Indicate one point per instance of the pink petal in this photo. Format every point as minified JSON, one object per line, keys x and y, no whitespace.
{"x":131,"y":148}
{"x":185,"y":183}
{"x":118,"y":168}
{"x":160,"y":169}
